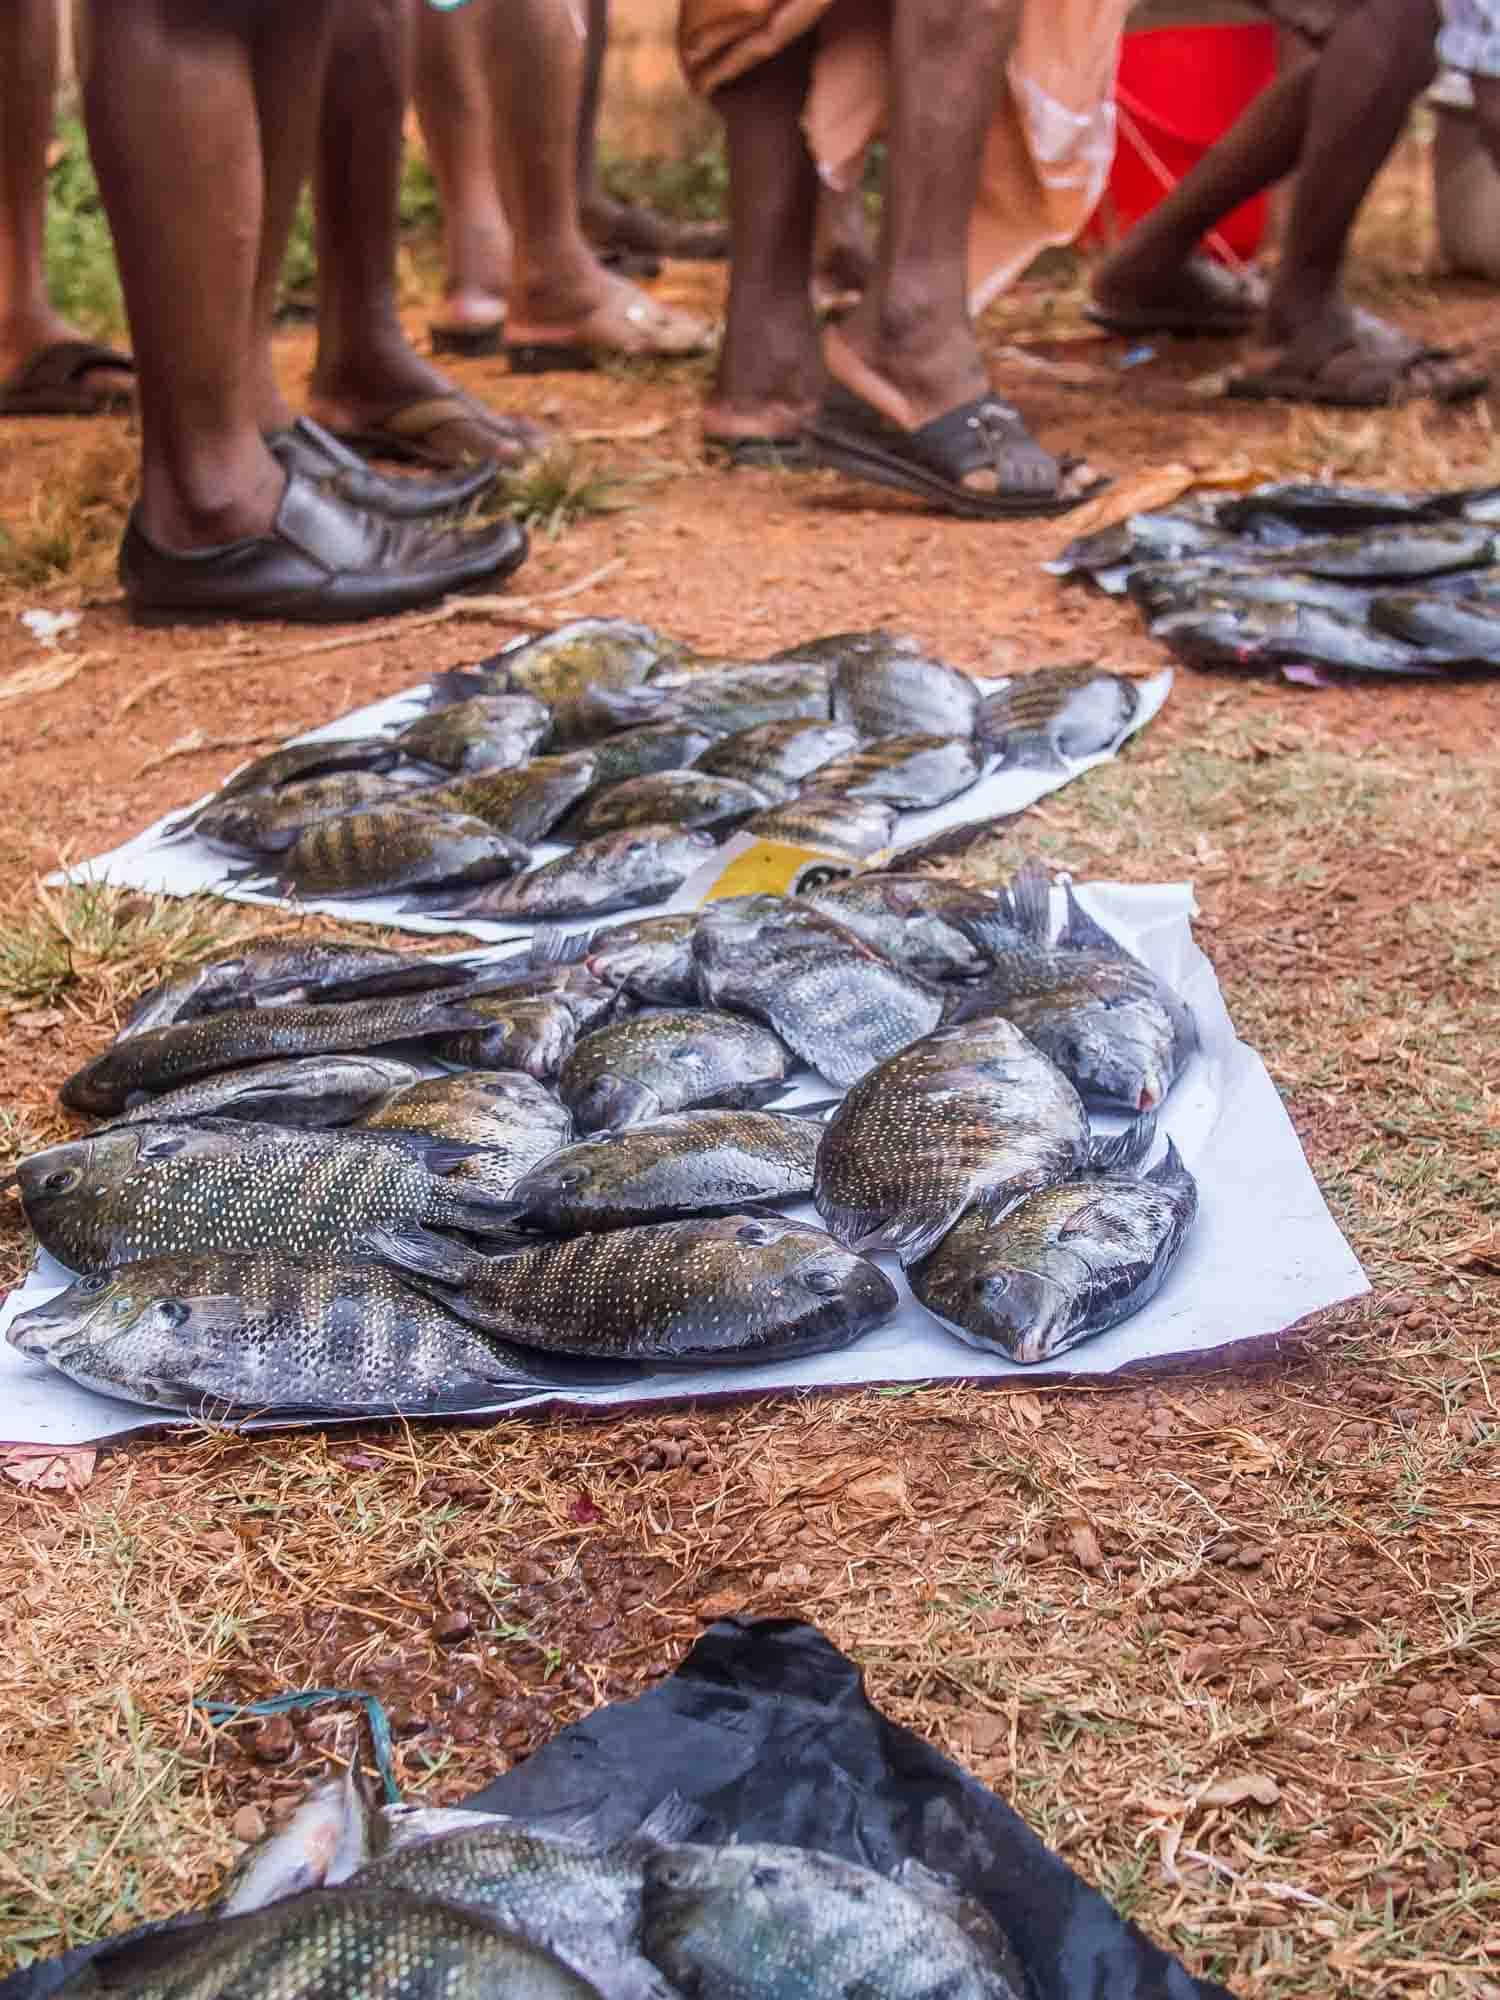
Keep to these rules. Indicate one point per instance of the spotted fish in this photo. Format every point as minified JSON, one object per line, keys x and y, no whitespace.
{"x":670,"y":1061}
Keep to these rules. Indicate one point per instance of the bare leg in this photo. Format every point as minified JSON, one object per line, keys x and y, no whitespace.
{"x":769,"y":367}
{"x":909,"y":350}
{"x":28,"y":84}
{"x":561,"y":294}
{"x":1155,"y":266}
{"x":366,"y":369}
{"x":181,"y":94}
{"x":843,"y":247}
{"x":458,"y":123}
{"x":620,"y":225}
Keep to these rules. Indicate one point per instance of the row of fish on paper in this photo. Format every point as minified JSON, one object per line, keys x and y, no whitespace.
{"x":1321,"y":582}
{"x":339,"y":1179}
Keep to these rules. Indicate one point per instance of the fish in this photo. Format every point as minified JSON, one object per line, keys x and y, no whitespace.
{"x":911,"y":773}
{"x":954,"y":843}
{"x":1160,"y":589}
{"x":1069,"y":1261}
{"x":670,"y":1061}
{"x":1316,"y":508}
{"x":158,"y":1059}
{"x":313,"y":759}
{"x":779,"y":757}
{"x":730,"y":698}
{"x":286,"y":975}
{"x":518,"y":1123}
{"x":334,"y":1944}
{"x":524,"y":803}
{"x":1451,"y":630}
{"x":1119,"y":1034}
{"x":268,"y":822}
{"x":1054,"y":716}
{"x":326,"y":1839}
{"x":827,"y":823}
{"x":163,"y":1190}
{"x":652,"y":747}
{"x":591,"y":1001}
{"x":310,"y":1091}
{"x":1400,"y":552}
{"x":669,"y":1169}
{"x":617,"y":871}
{"x":388,"y":848}
{"x":584,"y":653}
{"x":274,"y":1336}
{"x":488,"y":732}
{"x":577,"y":1898}
{"x":908,"y":919}
{"x":903,"y":693}
{"x":664,"y":798}
{"x":705,"y":1293}
{"x":876,"y":647}
{"x":1227,"y":632}
{"x":768,"y":1922}
{"x":972,"y":1117}
{"x":1168,"y":535}
{"x":534,"y":1036}
{"x":829,"y":997}
{"x":651,"y":959}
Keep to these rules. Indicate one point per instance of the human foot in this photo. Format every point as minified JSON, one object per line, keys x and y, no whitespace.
{"x":1195,"y":297}
{"x":400,"y":408}
{"x":605,"y":317}
{"x":622,"y":225}
{"x":1349,"y":359}
{"x":57,"y":372}
{"x":468,"y":321}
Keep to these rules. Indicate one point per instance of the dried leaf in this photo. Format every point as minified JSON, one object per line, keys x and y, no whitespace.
{"x":1203,"y":1663}
{"x":1085,"y":1546}
{"x":1157,"y":487}
{"x":39,"y":1017}
{"x":624,"y":433}
{"x":878,"y":1495}
{"x":49,"y":1468}
{"x":195,"y":741}
{"x":42,"y":677}
{"x":1027,"y":1407}
{"x":1255,"y":1788}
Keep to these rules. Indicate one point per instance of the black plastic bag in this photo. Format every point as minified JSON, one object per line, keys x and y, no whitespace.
{"x":767,"y":1727}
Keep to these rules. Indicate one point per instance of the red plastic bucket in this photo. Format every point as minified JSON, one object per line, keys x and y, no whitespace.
{"x":1177,"y":91}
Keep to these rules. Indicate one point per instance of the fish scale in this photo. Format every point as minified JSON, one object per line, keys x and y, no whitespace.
{"x":284,"y":975}
{"x":973,"y":1116}
{"x":779,"y":757}
{"x":1057,"y":713}
{"x":507,"y":1112}
{"x":914,"y":772}
{"x":677,"y":1294}
{"x":674,"y":1060}
{"x":641,"y":864}
{"x":664,"y":798}
{"x":159,"y":1190}
{"x":388,"y":848}
{"x":526,"y":802}
{"x":267,"y":822}
{"x":485,"y":733}
{"x":308,"y":1090}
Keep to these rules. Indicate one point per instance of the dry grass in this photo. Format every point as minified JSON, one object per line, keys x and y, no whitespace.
{"x":73,"y":526}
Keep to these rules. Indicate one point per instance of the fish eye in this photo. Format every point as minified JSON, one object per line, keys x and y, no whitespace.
{"x":173,"y":1311}
{"x":824,"y":1282}
{"x":755,"y":1232}
{"x":91,"y":1285}
{"x":765,"y":1878}
{"x":569,"y":1180}
{"x":62,"y":1180}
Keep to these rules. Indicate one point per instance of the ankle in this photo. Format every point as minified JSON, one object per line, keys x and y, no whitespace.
{"x":209,"y":500}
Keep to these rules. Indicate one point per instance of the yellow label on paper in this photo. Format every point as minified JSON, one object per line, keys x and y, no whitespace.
{"x":776,"y":868}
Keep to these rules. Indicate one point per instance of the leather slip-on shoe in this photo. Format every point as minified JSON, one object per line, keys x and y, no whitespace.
{"x":323,"y":561}
{"x":307,"y":448}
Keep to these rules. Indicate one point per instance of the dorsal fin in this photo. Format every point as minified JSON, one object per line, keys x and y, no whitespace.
{"x":1080,"y":932}
{"x":1028,"y":901}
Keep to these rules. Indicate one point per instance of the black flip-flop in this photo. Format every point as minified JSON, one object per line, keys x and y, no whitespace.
{"x":851,"y":437}
{"x":1316,"y":387}
{"x":473,"y":342}
{"x":51,"y":382}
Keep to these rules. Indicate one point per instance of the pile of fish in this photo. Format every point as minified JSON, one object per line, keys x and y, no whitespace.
{"x":1319,"y":581}
{"x":433,"y":1903}
{"x":349,"y":1180}
{"x":595,"y":768}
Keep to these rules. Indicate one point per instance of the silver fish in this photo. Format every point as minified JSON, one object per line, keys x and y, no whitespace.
{"x":904,"y":694}
{"x":307,"y":1090}
{"x":653,"y":746}
{"x":638,"y":865}
{"x":268,"y":822}
{"x":670,"y":1061}
{"x":1057,"y":714}
{"x":827,"y":822}
{"x":507,"y":1112}
{"x":765,"y":1922}
{"x":913,"y":773}
{"x":274,"y":1336}
{"x":733,"y":697}
{"x":286,"y":975}
{"x":677,"y":1294}
{"x":524,"y":803}
{"x":827,"y":996}
{"x":313,"y":759}
{"x":390,"y":848}
{"x":664,"y":798}
{"x":972,"y":1117}
{"x":170,"y":1190}
{"x":779,"y":758}
{"x":909,"y":919}
{"x":485,"y":733}
{"x":326,"y":1839}
{"x":651,"y":960}
{"x":1118,"y":1033}
{"x":669,"y":1169}
{"x":1070,"y":1261}
{"x":536,"y":1036}
{"x":158,"y":1059}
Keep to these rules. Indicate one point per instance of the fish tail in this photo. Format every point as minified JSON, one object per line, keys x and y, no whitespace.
{"x":420,"y":1253}
{"x":445,"y":690}
{"x":1169,"y":1170}
{"x":1028,"y":901}
{"x":559,"y":948}
{"x":1126,"y":1149}
{"x":1080,"y":931}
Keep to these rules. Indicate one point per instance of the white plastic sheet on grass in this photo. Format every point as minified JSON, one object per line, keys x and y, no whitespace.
{"x":1263,"y":1253}
{"x":186,"y":867}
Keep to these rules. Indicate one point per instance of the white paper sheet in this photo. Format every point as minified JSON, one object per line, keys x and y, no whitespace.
{"x":185,"y":867}
{"x":1263,"y":1253}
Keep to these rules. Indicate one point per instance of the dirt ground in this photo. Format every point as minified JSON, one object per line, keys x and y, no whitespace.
{"x":1231,"y":1644}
